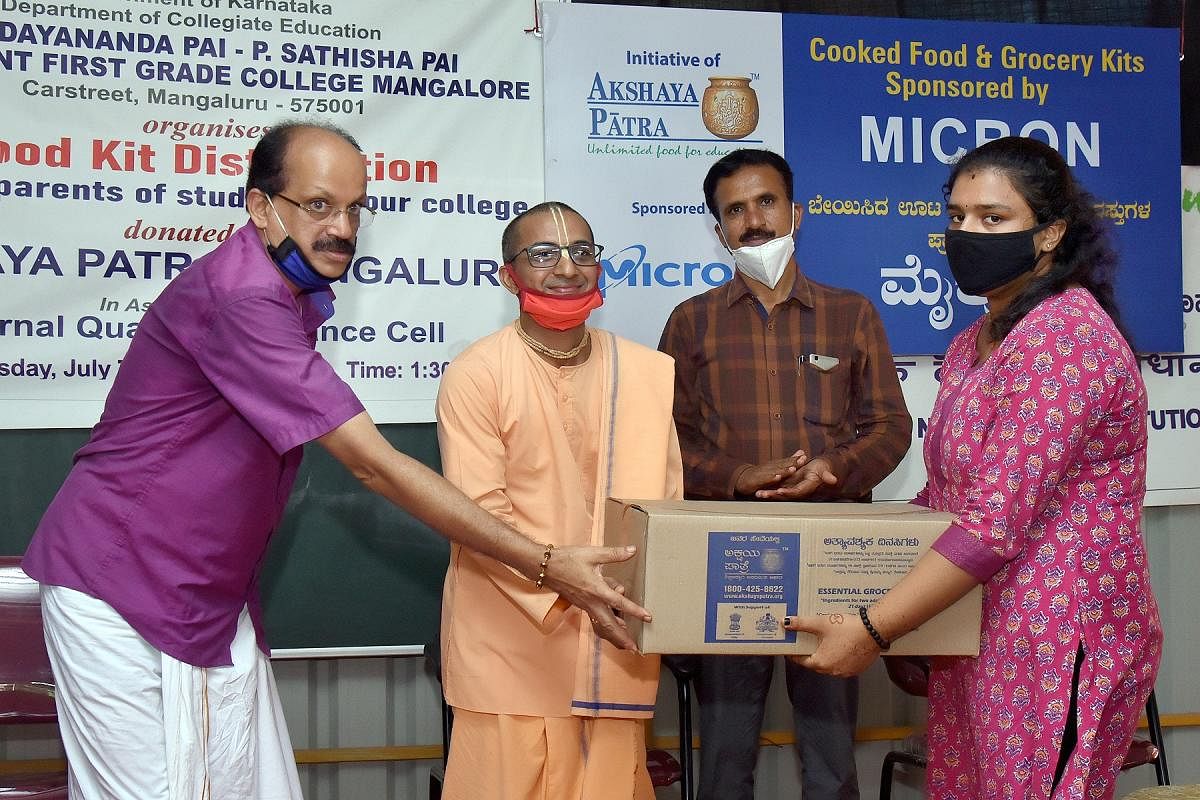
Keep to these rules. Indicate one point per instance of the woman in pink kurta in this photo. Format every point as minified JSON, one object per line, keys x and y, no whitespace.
{"x":1041,"y":450}
{"x":1037,"y":442}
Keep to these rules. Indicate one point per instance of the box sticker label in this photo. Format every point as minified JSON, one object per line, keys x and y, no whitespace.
{"x":857,"y":570}
{"x":752,"y":584}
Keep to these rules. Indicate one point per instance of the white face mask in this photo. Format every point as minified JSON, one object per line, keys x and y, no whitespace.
{"x":766,"y":262}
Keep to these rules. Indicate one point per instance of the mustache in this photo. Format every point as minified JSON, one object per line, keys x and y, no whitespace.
{"x":755,"y":233}
{"x":334,"y":244}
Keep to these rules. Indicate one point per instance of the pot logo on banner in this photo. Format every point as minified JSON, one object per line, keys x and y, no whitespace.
{"x":729,"y":108}
{"x":655,"y":116}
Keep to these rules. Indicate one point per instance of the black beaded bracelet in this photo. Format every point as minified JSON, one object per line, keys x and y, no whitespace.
{"x":883,"y":643}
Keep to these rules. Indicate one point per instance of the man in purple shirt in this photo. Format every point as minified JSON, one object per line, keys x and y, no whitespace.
{"x":149,"y":554}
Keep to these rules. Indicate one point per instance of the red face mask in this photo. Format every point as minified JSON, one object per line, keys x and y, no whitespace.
{"x":555,"y":311}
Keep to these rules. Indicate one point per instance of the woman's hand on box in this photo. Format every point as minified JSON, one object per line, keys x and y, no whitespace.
{"x":844,"y":648}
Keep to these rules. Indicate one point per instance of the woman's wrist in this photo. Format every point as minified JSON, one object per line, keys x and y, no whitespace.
{"x":882,"y":642}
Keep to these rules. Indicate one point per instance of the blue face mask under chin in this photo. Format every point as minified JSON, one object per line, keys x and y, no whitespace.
{"x":296,"y":267}
{"x":291,"y":261}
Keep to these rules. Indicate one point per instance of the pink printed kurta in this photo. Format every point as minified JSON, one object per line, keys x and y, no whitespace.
{"x":1041,"y":451}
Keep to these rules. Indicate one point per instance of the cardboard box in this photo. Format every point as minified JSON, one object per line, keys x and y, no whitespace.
{"x":720,"y":576}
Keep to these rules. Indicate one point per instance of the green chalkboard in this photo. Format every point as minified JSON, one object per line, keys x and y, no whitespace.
{"x":345,"y":570}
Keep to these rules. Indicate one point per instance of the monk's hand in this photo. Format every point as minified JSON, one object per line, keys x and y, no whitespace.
{"x":574,"y":573}
{"x":771,"y":474}
{"x":844,"y":648}
{"x":808,"y":478}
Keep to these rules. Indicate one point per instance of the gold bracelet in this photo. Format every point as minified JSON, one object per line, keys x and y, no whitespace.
{"x":542,"y":567}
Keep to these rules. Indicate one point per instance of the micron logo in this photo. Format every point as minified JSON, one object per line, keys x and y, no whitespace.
{"x":633,"y":266}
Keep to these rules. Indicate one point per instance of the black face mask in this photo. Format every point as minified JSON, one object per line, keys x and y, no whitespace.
{"x":981,"y":262}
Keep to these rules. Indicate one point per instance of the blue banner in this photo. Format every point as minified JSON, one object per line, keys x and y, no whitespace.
{"x":876,"y":109}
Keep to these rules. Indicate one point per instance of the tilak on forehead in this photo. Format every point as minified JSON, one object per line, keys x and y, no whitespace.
{"x":560,"y":224}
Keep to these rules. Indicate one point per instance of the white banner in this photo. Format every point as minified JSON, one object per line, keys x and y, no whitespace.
{"x":617,"y":78}
{"x":126,"y":137}
{"x":1173,"y":380}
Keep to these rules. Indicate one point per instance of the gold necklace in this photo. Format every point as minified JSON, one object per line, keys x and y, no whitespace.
{"x":550,"y":352}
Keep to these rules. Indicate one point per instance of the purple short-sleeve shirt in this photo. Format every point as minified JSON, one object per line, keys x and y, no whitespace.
{"x":168,"y":509}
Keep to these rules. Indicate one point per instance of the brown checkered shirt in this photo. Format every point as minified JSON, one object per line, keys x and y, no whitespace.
{"x":752,"y":387}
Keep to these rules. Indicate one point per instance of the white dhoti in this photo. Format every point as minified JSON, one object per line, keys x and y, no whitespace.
{"x":138,"y":724}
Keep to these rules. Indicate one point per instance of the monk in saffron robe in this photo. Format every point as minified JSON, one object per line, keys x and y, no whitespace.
{"x":539,"y":423}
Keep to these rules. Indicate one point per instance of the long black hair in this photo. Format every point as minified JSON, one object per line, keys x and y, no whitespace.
{"x":1084,"y":256}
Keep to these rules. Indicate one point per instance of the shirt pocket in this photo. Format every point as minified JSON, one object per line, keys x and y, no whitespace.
{"x":825,"y":389}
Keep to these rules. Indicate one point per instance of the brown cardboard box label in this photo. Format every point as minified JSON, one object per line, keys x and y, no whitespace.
{"x":856,"y":570}
{"x":752,"y":586}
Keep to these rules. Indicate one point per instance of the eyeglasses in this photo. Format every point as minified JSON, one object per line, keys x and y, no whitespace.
{"x":544,"y":255}
{"x":359,"y":215}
